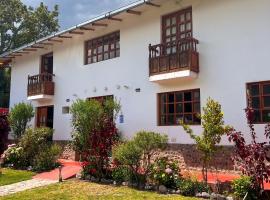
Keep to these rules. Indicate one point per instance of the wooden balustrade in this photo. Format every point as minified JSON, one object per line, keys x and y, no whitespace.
{"x":175,"y":56}
{"x":40,"y":84}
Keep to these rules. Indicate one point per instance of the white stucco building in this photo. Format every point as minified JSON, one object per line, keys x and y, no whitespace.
{"x":162,"y":59}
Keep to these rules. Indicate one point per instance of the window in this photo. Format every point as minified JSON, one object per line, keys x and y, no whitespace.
{"x":180,"y":105}
{"x":176,"y":26}
{"x":259,"y":95}
{"x":102,"y":48}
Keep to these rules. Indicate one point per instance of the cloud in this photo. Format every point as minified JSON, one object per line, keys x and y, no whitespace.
{"x":72,"y":12}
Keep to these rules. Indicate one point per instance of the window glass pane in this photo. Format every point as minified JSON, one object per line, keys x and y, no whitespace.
{"x":196,"y":96}
{"x":94,"y":59}
{"x":168,"y":31}
{"x":99,"y":57}
{"x":266,"y":89}
{"x":266,"y":101}
{"x":117,"y":45}
{"x":117,"y":53}
{"x":163,"y":120}
{"x":266,"y":116}
{"x":187,"y":96}
{"x":112,"y":54}
{"x":257,"y":116}
{"x":174,"y":49}
{"x":197,"y":107}
{"x":188,"y":107}
{"x":178,"y":119}
{"x":168,"y":50}
{"x":173,"y":20}
{"x":254,"y":90}
{"x":171,"y":108}
{"x":179,"y":108}
{"x":171,"y":120}
{"x":168,"y":39}
{"x":88,"y":60}
{"x":163,"y":98}
{"x":255,"y":102}
{"x":100,"y":49}
{"x":174,"y":30}
{"x":171,"y":97}
{"x":89,"y":52}
{"x":188,"y":119}
{"x":168,"y":22}
{"x":182,"y":36}
{"x":112,"y":46}
{"x":188,"y":16}
{"x":196,"y":119}
{"x":106,"y":47}
{"x":163,"y":108}
{"x":182,"y":27}
{"x":179,"y":97}
{"x":188,"y":26}
{"x":173,"y":38}
{"x":106,"y":56}
{"x":95,"y":51}
{"x":182,"y":17}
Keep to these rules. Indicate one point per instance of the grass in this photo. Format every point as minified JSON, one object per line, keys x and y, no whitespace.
{"x":10,"y":176}
{"x":79,"y":190}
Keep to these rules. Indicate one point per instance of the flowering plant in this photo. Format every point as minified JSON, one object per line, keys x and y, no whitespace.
{"x":165,"y":172}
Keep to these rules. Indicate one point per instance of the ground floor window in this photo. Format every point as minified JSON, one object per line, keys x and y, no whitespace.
{"x":179,"y":105}
{"x":258,"y":96}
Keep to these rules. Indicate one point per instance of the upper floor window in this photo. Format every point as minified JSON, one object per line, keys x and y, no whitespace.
{"x":102,"y":48}
{"x":180,"y":105}
{"x":259,"y":96}
{"x":176,"y":26}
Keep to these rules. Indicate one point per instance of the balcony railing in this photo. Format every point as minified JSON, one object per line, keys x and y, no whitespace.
{"x":41,"y":84}
{"x":176,"y":56}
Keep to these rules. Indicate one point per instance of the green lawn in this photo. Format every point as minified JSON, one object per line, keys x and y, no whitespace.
{"x":10,"y":176}
{"x":79,"y":190}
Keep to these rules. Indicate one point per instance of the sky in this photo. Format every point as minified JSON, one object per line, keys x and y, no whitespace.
{"x":72,"y":12}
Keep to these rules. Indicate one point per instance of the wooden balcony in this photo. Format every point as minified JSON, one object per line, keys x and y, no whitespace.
{"x":40,"y":86}
{"x":179,"y":59}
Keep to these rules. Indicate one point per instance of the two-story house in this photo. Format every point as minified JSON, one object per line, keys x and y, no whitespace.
{"x":161,"y":58}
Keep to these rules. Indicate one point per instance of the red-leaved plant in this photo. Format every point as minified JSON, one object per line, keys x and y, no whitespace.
{"x":4,"y":129}
{"x":252,"y":158}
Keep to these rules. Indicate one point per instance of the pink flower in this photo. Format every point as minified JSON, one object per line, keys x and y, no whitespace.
{"x":168,"y":170}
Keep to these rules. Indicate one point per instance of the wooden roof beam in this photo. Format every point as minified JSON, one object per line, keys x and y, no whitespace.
{"x":86,"y":29}
{"x":54,"y":40}
{"x":152,"y":4}
{"x":37,"y":47}
{"x":115,"y":19}
{"x":16,"y":54}
{"x":134,"y":12}
{"x":29,"y":49}
{"x":64,"y":36}
{"x":46,"y":43}
{"x":99,"y":24}
{"x":25,"y":52}
{"x":76,"y":32}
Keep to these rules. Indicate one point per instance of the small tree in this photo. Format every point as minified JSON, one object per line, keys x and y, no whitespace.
{"x":252,"y":158}
{"x":213,"y":130}
{"x":137,"y":153}
{"x":94,"y":133}
{"x":19,"y":117}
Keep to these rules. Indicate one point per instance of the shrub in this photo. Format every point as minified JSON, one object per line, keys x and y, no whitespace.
{"x":35,"y":149}
{"x":252,"y":157}
{"x":189,"y":187}
{"x":243,"y":186}
{"x":120,"y":174}
{"x":19,"y":117}
{"x":164,"y":172}
{"x":94,"y":133}
{"x":136,"y":153}
{"x":213,"y":130}
{"x":47,"y":158}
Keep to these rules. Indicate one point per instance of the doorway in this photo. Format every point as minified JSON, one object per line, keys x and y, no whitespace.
{"x":45,"y":116}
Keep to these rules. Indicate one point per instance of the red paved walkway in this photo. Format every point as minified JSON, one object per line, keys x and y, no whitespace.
{"x":69,"y":170}
{"x":223,"y":177}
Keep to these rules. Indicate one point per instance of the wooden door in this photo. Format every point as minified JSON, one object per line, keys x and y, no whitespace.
{"x":47,"y":63}
{"x":42,"y":116}
{"x":176,"y":26}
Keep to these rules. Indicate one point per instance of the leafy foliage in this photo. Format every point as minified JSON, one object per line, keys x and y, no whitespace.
{"x":94,"y":132}
{"x":165,"y":172}
{"x":243,"y":186}
{"x":20,"y":24}
{"x":137,"y":153}
{"x":252,"y":158}
{"x":189,"y":187}
{"x":120,"y":174}
{"x":19,"y":117}
{"x":35,"y":148}
{"x":213,"y":130}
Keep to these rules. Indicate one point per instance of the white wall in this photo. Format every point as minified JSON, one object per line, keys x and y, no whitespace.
{"x":234,"y":50}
